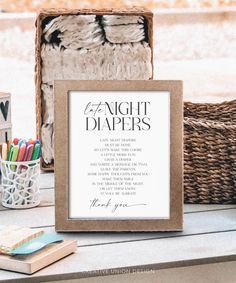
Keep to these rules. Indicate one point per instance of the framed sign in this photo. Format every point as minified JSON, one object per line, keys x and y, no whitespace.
{"x":118,"y":155}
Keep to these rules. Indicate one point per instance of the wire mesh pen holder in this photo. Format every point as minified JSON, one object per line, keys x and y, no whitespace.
{"x":20,"y":184}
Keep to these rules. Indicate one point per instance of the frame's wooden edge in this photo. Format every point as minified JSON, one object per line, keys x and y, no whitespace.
{"x":177,"y":161}
{"x":95,"y":85}
{"x":60,"y":122}
{"x":134,"y":10}
{"x":175,"y":222}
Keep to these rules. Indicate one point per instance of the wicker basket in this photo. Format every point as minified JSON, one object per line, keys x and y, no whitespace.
{"x":47,"y":14}
{"x":210,"y":153}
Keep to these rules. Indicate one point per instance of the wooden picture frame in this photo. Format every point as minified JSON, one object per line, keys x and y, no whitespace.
{"x":155,"y":207}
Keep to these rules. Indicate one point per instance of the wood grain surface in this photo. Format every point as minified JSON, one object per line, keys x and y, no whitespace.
{"x":209,"y":236}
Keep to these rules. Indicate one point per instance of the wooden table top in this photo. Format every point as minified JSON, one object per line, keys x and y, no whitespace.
{"x":209,"y":236}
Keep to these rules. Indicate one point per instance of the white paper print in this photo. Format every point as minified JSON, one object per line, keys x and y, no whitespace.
{"x":119,"y":154}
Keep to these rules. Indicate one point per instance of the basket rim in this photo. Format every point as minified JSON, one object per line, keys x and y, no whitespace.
{"x":196,"y":104}
{"x":209,"y":124}
{"x":30,"y":162}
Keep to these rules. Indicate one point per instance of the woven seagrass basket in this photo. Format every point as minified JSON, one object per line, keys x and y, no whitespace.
{"x":43,"y":18}
{"x":210,"y":153}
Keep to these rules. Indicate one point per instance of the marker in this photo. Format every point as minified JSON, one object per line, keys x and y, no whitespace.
{"x":31,"y":141}
{"x":16,"y":141}
{"x":21,"y":141}
{"x":36,"y":152}
{"x":29,"y":152}
{"x":9,"y":154}
{"x":38,"y":142}
{"x":4,"y":151}
{"x":9,"y":144}
{"x":14,"y":155}
{"x":22,"y":152}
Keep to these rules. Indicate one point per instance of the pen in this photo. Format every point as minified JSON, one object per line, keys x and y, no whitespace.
{"x":14,"y":155}
{"x":9,"y":144}
{"x":9,"y":154}
{"x":21,"y":141}
{"x":31,"y":141}
{"x":15,"y":141}
{"x":36,"y":152}
{"x":22,"y":152}
{"x":29,"y":152}
{"x":4,"y":151}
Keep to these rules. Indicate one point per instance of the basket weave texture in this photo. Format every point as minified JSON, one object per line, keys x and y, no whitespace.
{"x":210,"y":153}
